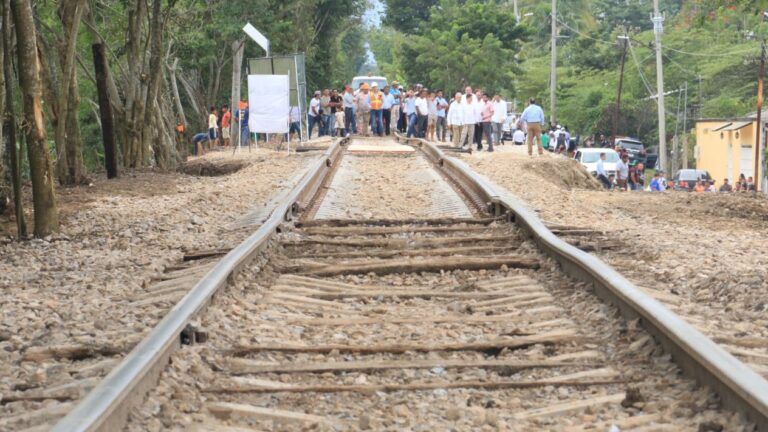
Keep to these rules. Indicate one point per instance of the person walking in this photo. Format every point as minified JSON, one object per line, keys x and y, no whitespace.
{"x":348,"y":103}
{"x":294,"y":126}
{"x":442,"y":121}
{"x":487,"y":116}
{"x":533,"y":117}
{"x":422,"y":114}
{"x":386,"y":109}
{"x":364,"y":110}
{"x":313,"y":116}
{"x":468,"y":120}
{"x":455,"y":118}
{"x":499,"y":117}
{"x":377,"y":103}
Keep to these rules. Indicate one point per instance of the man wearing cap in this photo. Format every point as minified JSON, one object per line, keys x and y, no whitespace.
{"x":377,"y":105}
{"x":533,"y":116}
{"x":364,"y":109}
{"x":314,"y":115}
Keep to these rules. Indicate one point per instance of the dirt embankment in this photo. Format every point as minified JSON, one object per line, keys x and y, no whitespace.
{"x":705,"y":253}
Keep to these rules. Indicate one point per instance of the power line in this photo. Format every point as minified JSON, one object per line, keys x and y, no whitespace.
{"x":640,"y":70}
{"x":583,"y":34}
{"x":711,"y":55}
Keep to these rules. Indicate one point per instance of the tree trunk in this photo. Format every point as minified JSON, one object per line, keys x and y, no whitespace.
{"x":70,"y":166}
{"x":41,"y":168}
{"x":155,"y":71}
{"x":133,"y":105}
{"x":237,"y":66}
{"x":105,"y":109}
{"x":175,"y":89}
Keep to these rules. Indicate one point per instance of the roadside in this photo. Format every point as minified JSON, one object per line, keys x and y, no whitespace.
{"x":702,"y":254}
{"x":79,"y":286}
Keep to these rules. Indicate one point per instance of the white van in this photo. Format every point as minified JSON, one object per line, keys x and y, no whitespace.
{"x":379,"y":80}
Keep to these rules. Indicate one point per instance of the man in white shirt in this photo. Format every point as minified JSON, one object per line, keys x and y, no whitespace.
{"x":518,"y":137}
{"x":622,"y":172}
{"x":422,"y":114}
{"x":499,"y":117}
{"x":314,"y":115}
{"x":348,"y":102}
{"x":602,"y":175}
{"x":468,"y":120}
{"x":455,"y":119}
{"x":387,"y":104}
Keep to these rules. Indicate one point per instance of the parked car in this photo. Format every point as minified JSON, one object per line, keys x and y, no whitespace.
{"x":686,"y":179}
{"x":635,"y":149}
{"x":589,"y":157}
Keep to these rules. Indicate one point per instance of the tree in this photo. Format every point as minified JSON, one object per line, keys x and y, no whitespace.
{"x":40,"y":166}
{"x":408,"y":16}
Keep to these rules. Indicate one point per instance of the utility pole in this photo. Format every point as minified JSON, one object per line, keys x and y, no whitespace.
{"x":623,"y":41}
{"x":517,"y":14}
{"x":760,"y":78}
{"x":553,"y":67}
{"x":658,"y":29}
{"x":685,"y":126}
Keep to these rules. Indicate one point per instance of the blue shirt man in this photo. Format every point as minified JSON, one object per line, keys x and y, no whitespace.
{"x":441,"y":104}
{"x":533,"y":114}
{"x":396,"y":94}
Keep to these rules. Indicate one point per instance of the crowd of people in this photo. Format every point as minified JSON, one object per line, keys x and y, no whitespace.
{"x":219,"y":129}
{"x":467,"y":118}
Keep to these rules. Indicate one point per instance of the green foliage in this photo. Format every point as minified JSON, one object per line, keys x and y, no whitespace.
{"x":463,"y":42}
{"x":408,"y":16}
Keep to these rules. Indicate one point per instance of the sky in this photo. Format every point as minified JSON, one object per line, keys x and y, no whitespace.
{"x":372,"y":16}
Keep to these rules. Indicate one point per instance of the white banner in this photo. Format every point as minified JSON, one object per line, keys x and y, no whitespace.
{"x":268,"y":102}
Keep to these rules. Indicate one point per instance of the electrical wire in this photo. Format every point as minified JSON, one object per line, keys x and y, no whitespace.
{"x":709,"y":54}
{"x":639,"y":70}
{"x":584,"y":34}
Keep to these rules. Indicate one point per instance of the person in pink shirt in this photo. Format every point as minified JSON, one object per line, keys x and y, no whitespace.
{"x":487,"y":117}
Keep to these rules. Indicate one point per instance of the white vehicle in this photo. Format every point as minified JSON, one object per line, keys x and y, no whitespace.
{"x":379,"y":80}
{"x":589,"y":157}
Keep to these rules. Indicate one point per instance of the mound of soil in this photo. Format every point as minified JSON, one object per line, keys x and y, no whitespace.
{"x":562,"y":172}
{"x":208,"y":168}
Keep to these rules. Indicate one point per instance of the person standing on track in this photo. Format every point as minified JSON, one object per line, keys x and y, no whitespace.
{"x":336,"y":106}
{"x":325,"y":110}
{"x":533,"y":117}
{"x":348,"y":103}
{"x":431,"y":116}
{"x":410,"y":114}
{"x":468,"y":120}
{"x":478,"y":106}
{"x":363,"y":110}
{"x":422,"y":114}
{"x":442,"y":121}
{"x":377,"y":103}
{"x":386,"y":109}
{"x":455,"y":119}
{"x":487,"y":117}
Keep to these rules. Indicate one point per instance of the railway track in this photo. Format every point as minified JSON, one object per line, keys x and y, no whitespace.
{"x":387,"y":309}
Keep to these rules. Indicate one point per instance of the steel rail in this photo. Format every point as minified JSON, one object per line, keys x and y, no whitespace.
{"x":106,"y":407}
{"x":739,"y":387}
